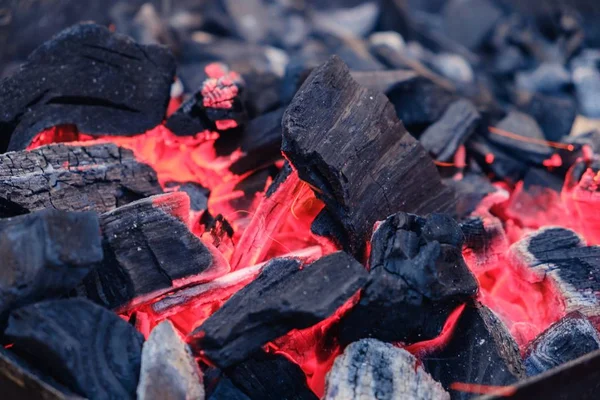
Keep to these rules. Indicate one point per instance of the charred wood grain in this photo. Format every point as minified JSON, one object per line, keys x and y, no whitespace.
{"x":102,"y":82}
{"x":346,"y":142}
{"x":74,"y":178}
{"x":45,"y":254}
{"x":285,"y":296}
{"x":87,"y":348}
{"x":372,"y":369}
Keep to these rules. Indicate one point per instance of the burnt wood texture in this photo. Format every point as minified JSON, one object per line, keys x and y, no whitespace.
{"x":102,"y":82}
{"x":346,"y":141}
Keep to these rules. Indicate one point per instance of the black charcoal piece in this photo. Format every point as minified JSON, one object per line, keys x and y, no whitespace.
{"x":285,"y":296}
{"x":87,"y":348}
{"x":443,"y":138}
{"x":570,"y":338}
{"x":347,"y":142}
{"x":480,"y":351}
{"x":45,"y":254}
{"x":102,"y":82}
{"x":470,"y":22}
{"x":554,"y":114}
{"x":168,"y":370}
{"x":75,"y":178}
{"x":377,"y":370}
{"x":269,"y":376}
{"x":226,"y":390}
{"x":198,"y":194}
{"x":503,"y":163}
{"x":148,"y":249}
{"x":562,"y":256}
{"x":470,"y":190}
{"x":418,"y":276}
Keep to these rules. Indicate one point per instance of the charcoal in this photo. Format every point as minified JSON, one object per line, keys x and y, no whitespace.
{"x":554,"y":114}
{"x":417,"y":277}
{"x":262,"y":91}
{"x":270,"y":377}
{"x":247,"y":20}
{"x":480,"y":351}
{"x":443,"y":138}
{"x":377,"y":370}
{"x":325,"y":225}
{"x":571,"y":337}
{"x":169,"y":370}
{"x":197,"y":193}
{"x":216,"y":105}
{"x":501,"y":162}
{"x":85,"y":347}
{"x":540,"y":177}
{"x":296,"y":72}
{"x":148,"y":250}
{"x":586,"y":79}
{"x":46,"y":254}
{"x":561,"y":255}
{"x":102,"y":82}
{"x":346,"y":141}
{"x":382,"y":81}
{"x":546,"y":78}
{"x":226,"y":390}
{"x":453,"y":67}
{"x":75,"y":178}
{"x":470,"y":190}
{"x":470,"y":22}
{"x":287,"y":296}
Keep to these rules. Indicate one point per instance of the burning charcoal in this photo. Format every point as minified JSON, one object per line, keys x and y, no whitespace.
{"x":570,"y":338}
{"x":501,"y":162}
{"x":554,"y":114}
{"x":45,"y":254}
{"x":418,"y":276}
{"x":480,"y":351}
{"x":102,"y":82}
{"x":470,"y":190}
{"x":346,"y":141}
{"x":562,"y":256}
{"x":485,"y":241}
{"x":443,"y":138}
{"x":75,"y":178}
{"x":268,"y":376}
{"x":83,"y":346}
{"x":470,"y":22}
{"x":197,"y":193}
{"x":148,"y":250}
{"x":169,"y":370}
{"x":216,"y":105}
{"x":376,"y":370}
{"x":286,"y":296}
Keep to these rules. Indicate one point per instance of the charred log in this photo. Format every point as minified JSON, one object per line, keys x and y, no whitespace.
{"x":169,"y":370}
{"x":74,"y":178}
{"x":285,"y":296}
{"x":417,"y":277}
{"x":102,"y":82}
{"x":376,"y":370}
{"x":568,"y":339}
{"x":480,"y":351}
{"x":346,"y":141}
{"x":83,"y":346}
{"x":45,"y":254}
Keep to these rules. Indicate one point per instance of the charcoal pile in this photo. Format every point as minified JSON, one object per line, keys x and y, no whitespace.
{"x":271,"y":199}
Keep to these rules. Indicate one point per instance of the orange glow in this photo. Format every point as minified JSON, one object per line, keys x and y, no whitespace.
{"x":506,"y":391}
{"x":511,"y":135}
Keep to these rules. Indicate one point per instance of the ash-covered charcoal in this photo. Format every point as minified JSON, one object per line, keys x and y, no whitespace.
{"x":346,"y":141}
{"x":45,"y":254}
{"x":443,"y":138}
{"x":87,"y":348}
{"x":168,"y":370}
{"x":570,"y":338}
{"x":216,"y":105}
{"x":480,"y":351}
{"x":148,"y":249}
{"x":197,"y":193}
{"x":102,"y":82}
{"x":285,"y":296}
{"x":562,"y":256}
{"x":269,"y":376}
{"x":418,"y":276}
{"x":376,"y":370}
{"x":75,"y":178}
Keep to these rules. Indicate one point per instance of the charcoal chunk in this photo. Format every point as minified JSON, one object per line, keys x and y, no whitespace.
{"x":148,"y":249}
{"x":197,"y":193}
{"x":347,"y":143}
{"x":417,"y":277}
{"x":46,"y":254}
{"x":373,"y":369}
{"x":443,"y":138}
{"x":570,"y":338}
{"x":75,"y":178}
{"x":83,"y":346}
{"x":480,"y":351}
{"x":554,"y":114}
{"x":102,"y":82}
{"x":470,"y":22}
{"x":285,"y":296}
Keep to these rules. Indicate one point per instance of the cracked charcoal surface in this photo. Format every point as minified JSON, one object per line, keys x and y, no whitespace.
{"x":370,"y":369}
{"x":102,"y":82}
{"x":75,"y":178}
